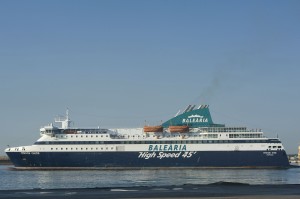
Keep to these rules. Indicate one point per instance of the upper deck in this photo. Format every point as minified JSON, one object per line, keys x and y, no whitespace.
{"x":198,"y":121}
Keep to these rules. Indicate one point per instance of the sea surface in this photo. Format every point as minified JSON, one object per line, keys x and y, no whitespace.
{"x":52,"y":179}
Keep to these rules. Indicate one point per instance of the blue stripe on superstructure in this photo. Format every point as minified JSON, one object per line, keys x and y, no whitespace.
{"x":131,"y":159}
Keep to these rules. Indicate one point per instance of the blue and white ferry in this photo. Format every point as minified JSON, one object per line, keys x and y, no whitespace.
{"x":188,"y":140}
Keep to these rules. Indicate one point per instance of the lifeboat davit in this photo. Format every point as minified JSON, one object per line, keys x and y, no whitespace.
{"x":180,"y":129}
{"x":153,"y":129}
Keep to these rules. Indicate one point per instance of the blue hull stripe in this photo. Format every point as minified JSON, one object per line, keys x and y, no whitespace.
{"x":151,"y":159}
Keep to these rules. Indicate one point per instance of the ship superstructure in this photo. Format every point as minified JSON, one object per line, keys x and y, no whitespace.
{"x":188,"y":140}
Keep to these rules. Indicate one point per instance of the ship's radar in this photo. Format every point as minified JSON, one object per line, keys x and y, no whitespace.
{"x":65,"y":121}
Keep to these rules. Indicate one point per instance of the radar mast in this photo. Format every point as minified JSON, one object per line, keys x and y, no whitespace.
{"x":65,"y":121}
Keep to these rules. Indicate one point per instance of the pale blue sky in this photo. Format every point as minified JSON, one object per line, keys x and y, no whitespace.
{"x":119,"y":63}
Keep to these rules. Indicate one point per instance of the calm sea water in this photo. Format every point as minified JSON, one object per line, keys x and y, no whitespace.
{"x":13,"y":179}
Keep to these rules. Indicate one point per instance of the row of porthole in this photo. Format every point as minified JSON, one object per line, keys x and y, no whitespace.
{"x":275,"y":147}
{"x":17,"y":149}
{"x":87,"y":136}
{"x":62,"y":136}
{"x":61,"y":149}
{"x":136,"y":136}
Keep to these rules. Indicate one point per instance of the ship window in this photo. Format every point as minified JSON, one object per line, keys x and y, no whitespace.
{"x":51,"y":148}
{"x":101,"y":148}
{"x":62,"y":149}
{"x":66,"y":148}
{"x":86,"y":148}
{"x":71,"y":136}
{"x":86,"y":136}
{"x":106,"y":135}
{"x":91,"y":148}
{"x":77,"y":136}
{"x":112,"y":147}
{"x":106,"y":148}
{"x":91,"y":136}
{"x":71,"y":148}
{"x":279,"y":147}
{"x":96,"y":136}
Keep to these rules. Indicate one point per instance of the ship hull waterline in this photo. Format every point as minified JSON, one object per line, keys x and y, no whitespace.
{"x":149,"y":160}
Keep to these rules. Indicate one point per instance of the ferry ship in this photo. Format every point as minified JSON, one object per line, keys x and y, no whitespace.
{"x":188,"y":140}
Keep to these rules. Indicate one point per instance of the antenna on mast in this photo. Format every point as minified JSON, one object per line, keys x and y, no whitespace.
{"x":65,"y":121}
{"x":67,"y":114}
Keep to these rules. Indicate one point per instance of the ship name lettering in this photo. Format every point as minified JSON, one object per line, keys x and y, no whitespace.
{"x":194,"y":120}
{"x":167,"y":147}
{"x":270,"y":153}
{"x":32,"y":153}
